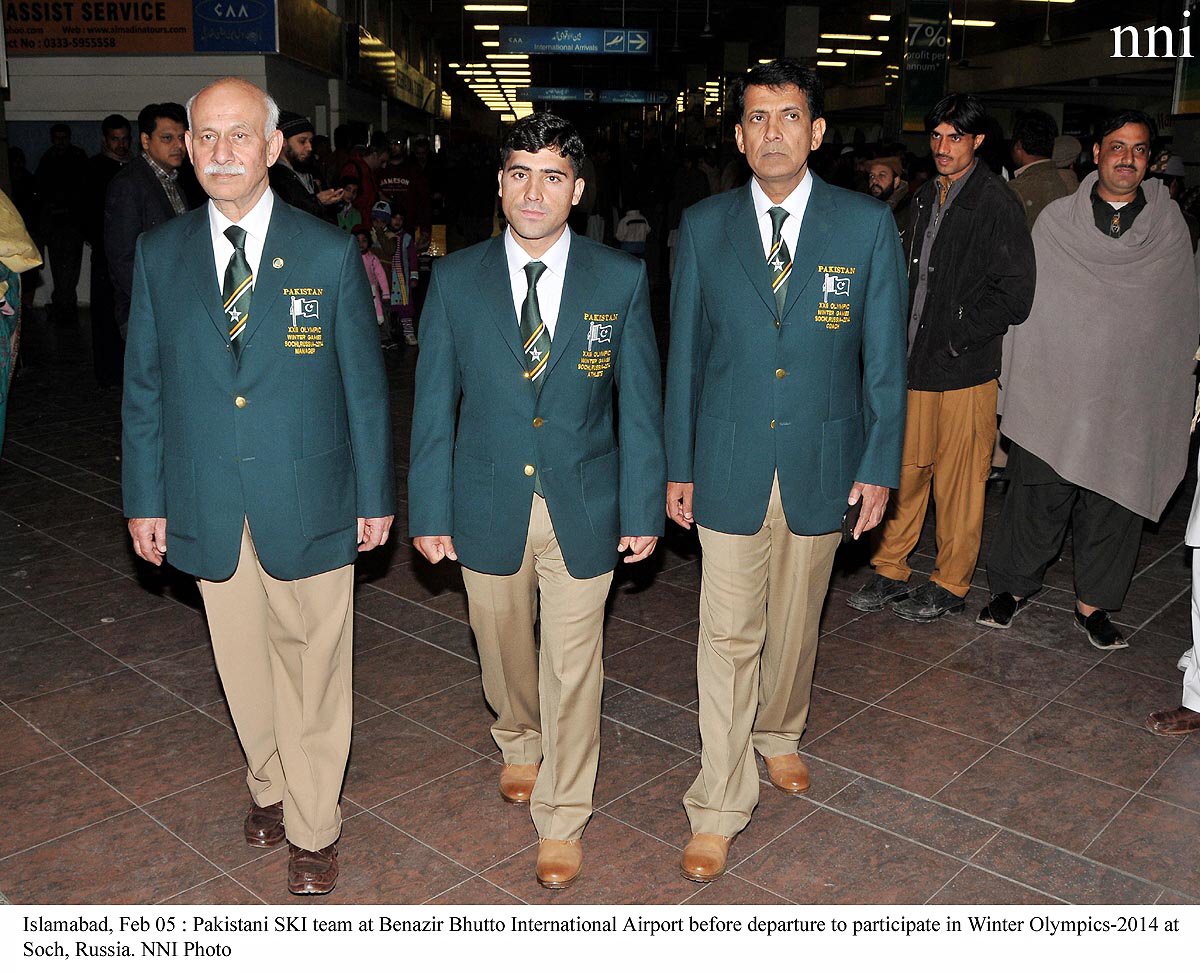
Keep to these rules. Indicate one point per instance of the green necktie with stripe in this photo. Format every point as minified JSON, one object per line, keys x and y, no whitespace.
{"x":779,"y":259}
{"x":535,"y":339}
{"x":239,"y":288}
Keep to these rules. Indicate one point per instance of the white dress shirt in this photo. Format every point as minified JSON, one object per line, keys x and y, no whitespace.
{"x":255,"y":223}
{"x":549,"y":285}
{"x":795,"y":204}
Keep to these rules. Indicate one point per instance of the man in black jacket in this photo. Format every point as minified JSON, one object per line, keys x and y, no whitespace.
{"x":144,"y":194}
{"x":291,"y":179}
{"x":108,"y":351}
{"x":971,"y":277}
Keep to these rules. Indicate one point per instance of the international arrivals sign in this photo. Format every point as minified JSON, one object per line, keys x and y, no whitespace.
{"x":38,"y":27}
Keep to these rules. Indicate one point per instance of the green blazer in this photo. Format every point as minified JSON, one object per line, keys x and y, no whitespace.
{"x":295,"y":435}
{"x":603,"y":478}
{"x":818,"y":395}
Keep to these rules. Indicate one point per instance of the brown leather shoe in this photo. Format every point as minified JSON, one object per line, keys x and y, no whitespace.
{"x":788,"y":773}
{"x":559,"y":862}
{"x":1173,"y":723}
{"x":516,"y":782}
{"x":312,"y":873}
{"x":264,"y":826}
{"x":704,"y":857}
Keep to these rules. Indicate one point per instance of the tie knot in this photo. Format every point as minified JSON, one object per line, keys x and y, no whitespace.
{"x":778,"y":215}
{"x":236,"y":236}
{"x":533,"y":270}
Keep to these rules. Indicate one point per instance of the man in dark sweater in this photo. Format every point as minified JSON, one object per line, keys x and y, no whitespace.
{"x":971,"y":277}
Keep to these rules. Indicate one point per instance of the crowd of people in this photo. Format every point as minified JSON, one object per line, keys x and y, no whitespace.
{"x":834,"y":363}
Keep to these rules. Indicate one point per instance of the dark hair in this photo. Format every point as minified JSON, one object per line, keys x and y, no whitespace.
{"x":112,"y":123}
{"x":60,"y":128}
{"x":378,"y":143}
{"x":341,"y":136}
{"x":148,"y":117}
{"x":1036,"y":131}
{"x":963,"y":112}
{"x":1129,"y":117}
{"x":351,"y":181}
{"x":778,"y":74}
{"x":544,"y":130}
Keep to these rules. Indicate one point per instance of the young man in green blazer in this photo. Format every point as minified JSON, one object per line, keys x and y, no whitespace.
{"x":785,"y":403}
{"x":527,"y":339}
{"x":257,"y":456}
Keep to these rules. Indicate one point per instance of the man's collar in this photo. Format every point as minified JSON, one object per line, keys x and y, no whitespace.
{"x":1138,"y":197}
{"x":1030,"y":165}
{"x":555,"y":258}
{"x":794,"y":203}
{"x":254,"y":223}
{"x":159,"y":171}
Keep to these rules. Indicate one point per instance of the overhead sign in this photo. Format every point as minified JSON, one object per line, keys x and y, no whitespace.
{"x":926,"y":60}
{"x":138,"y":26}
{"x":575,"y":40}
{"x":614,"y":97}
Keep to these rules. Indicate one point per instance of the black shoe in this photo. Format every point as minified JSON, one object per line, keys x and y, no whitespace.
{"x":928,"y":601}
{"x":877,"y":593}
{"x":999,"y":613}
{"x":1100,"y":630}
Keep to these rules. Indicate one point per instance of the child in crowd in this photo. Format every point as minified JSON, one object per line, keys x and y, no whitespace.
{"x":405,"y":274}
{"x":377,"y":278}
{"x":348,"y":217}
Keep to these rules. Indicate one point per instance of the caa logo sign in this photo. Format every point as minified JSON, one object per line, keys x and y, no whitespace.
{"x":231,"y":11}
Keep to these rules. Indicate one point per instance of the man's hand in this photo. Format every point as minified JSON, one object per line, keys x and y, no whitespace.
{"x":874,"y":504}
{"x":679,"y":504}
{"x":373,"y":531}
{"x":149,"y":538}
{"x":327,"y":197}
{"x":640,"y":547}
{"x":435,"y":547}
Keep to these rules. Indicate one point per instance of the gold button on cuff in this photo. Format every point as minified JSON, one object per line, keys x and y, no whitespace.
{"x":529,"y":470}
{"x":537,"y":422}
{"x":780,"y":373}
{"x":240,"y":402}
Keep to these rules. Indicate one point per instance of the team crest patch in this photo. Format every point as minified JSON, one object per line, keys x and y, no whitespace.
{"x":834,"y":308}
{"x":304,"y":333}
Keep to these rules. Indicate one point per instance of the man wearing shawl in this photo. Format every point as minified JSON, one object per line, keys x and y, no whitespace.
{"x":1098,"y":386}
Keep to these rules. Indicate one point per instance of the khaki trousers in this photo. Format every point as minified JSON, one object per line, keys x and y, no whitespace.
{"x":283,"y":651}
{"x":760,"y":605}
{"x":547,"y":710}
{"x":948,"y":442}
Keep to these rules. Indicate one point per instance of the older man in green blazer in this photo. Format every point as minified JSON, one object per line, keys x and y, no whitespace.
{"x":785,"y":403}
{"x":528,"y":338}
{"x":257,"y":457}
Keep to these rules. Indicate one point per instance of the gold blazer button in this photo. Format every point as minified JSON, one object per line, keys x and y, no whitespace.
{"x":240,"y":402}
{"x":529,"y":470}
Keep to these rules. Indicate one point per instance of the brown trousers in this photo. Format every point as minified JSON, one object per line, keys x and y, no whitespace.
{"x":284,"y":651}
{"x":760,"y":605}
{"x":547,"y":708}
{"x":948,"y":442}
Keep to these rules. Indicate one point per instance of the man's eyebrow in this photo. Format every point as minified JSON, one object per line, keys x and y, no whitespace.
{"x":558,"y":172}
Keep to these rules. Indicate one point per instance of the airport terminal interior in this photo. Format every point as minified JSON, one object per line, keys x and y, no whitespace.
{"x":950,"y":763}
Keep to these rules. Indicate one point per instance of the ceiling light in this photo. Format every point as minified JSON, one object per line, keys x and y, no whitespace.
{"x":517,"y":72}
{"x":883,"y":37}
{"x":508,"y":57}
{"x":508,"y":118}
{"x":831,"y":64}
{"x":500,"y":8}
{"x":974,"y":23}
{"x":824,"y":50}
{"x":846,"y":37}
{"x":453,"y":64}
{"x":487,"y":26}
{"x":881,"y":18}
{"x":489,"y":43}
{"x":855,"y":50}
{"x":765,"y":60}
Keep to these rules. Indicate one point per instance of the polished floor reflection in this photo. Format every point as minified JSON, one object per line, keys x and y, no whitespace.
{"x":951,"y":764}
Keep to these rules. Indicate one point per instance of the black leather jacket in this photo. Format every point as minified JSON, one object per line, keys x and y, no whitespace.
{"x":981,"y":280}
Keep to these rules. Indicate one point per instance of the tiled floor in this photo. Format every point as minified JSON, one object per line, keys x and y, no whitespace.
{"x":951,"y":764}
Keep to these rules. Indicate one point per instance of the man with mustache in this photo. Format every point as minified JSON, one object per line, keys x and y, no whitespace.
{"x":258,"y":457}
{"x":970,"y":276}
{"x":1098,"y":386}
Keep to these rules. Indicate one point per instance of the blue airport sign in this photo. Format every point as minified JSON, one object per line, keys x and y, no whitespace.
{"x":575,"y":40}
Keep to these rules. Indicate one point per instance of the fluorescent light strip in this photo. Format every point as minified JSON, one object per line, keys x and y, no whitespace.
{"x":846,"y":37}
{"x":856,"y":50}
{"x":831,"y":64}
{"x":487,"y":26}
{"x":880,"y":18}
{"x":489,"y":43}
{"x":824,"y":50}
{"x":973,"y":23}
{"x":508,"y":57}
{"x":500,"y":8}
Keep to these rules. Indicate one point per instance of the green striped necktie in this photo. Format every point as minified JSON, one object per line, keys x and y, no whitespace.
{"x":239,"y":288}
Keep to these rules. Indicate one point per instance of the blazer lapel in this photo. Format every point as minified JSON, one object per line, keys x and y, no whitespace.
{"x":495,"y":289}
{"x":741,"y":228}
{"x":578,"y":287}
{"x":815,"y":231}
{"x":201,"y":269}
{"x":271,"y":280}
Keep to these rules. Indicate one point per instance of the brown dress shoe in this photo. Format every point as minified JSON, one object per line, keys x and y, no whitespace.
{"x":704,"y":857}
{"x":264,"y":826}
{"x":312,"y":873}
{"x":559,"y":862}
{"x":788,"y":773}
{"x":1173,"y":723}
{"x":516,"y":783}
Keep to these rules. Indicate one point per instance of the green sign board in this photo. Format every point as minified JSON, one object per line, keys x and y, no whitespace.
{"x":926,"y":60}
